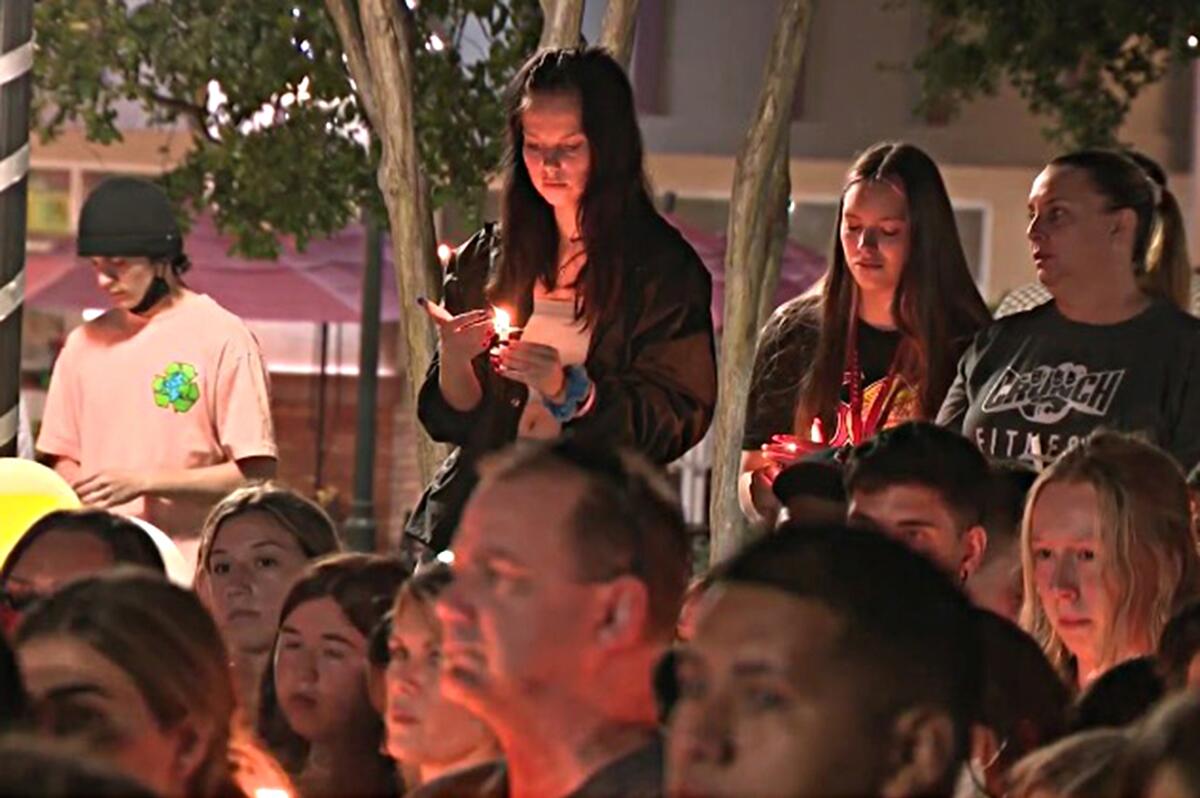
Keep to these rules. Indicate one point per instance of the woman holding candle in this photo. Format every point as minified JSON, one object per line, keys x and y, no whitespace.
{"x":1106,"y":554}
{"x":613,"y":304}
{"x":1104,"y":353}
{"x":876,"y":340}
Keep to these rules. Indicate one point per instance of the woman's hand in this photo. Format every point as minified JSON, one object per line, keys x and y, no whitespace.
{"x":536,"y":365}
{"x":784,"y":450}
{"x":460,"y":338}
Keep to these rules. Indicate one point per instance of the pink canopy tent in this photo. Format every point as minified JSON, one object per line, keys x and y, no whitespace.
{"x":321,"y":284}
{"x":324,"y":283}
{"x":801,"y":266}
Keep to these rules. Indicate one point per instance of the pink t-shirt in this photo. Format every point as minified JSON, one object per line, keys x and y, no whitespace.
{"x":185,"y":389}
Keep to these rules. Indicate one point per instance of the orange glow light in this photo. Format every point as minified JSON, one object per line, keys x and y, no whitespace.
{"x":502,"y":323}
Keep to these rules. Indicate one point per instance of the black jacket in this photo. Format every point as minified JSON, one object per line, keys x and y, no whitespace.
{"x":654,"y":368}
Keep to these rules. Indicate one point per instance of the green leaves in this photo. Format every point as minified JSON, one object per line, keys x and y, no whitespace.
{"x":1079,"y":63}
{"x":280,"y":144}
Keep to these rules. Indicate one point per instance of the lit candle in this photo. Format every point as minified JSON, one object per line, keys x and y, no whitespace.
{"x":817,"y":432}
{"x":501,"y":323}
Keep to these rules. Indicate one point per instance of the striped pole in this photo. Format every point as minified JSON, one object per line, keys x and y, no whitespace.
{"x":16,"y":59}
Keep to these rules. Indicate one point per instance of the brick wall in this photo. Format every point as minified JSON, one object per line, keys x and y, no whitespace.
{"x":295,"y":410}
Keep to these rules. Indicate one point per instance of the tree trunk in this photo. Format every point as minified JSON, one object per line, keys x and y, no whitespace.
{"x":750,"y":217}
{"x":778,"y":197}
{"x":616,"y":32}
{"x":563,"y":21}
{"x":16,"y":31}
{"x":376,"y":37}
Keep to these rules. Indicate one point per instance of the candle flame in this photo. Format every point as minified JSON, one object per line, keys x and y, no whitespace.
{"x":817,"y":432}
{"x":501,"y":322}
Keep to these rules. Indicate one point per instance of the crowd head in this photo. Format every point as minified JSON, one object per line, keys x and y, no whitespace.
{"x":1024,"y":702}
{"x":569,"y":561}
{"x":315,"y":692}
{"x":926,"y":486}
{"x":254,"y":543}
{"x":570,"y":566}
{"x":771,"y":686}
{"x":1107,"y":553}
{"x":1105,"y":210}
{"x":429,"y":734}
{"x":1163,"y":755}
{"x":68,"y":544}
{"x":133,"y":668}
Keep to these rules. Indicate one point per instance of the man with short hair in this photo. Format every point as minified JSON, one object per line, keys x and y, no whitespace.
{"x":827,"y":661}
{"x":926,"y":486}
{"x":569,"y":570}
{"x":159,"y":406}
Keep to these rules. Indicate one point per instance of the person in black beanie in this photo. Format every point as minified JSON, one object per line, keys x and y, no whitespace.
{"x":160,"y":405}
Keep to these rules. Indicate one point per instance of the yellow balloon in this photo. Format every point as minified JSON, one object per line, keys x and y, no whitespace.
{"x":28,"y":491}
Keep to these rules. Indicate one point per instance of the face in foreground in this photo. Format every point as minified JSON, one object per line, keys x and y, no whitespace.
{"x":422,"y":726}
{"x":1068,"y":562}
{"x":516,"y":623}
{"x":765,"y":706}
{"x":79,"y":695}
{"x":555,"y":149}
{"x":321,"y":673}
{"x":250,"y":569}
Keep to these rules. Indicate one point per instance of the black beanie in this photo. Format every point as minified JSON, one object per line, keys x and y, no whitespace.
{"x":128,"y":217}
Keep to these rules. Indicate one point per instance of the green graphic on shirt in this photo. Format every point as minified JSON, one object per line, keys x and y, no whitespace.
{"x":176,"y":387}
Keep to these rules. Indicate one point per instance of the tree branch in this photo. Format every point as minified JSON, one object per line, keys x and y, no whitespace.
{"x":617,"y":29}
{"x":345,"y":19}
{"x":195,"y":113}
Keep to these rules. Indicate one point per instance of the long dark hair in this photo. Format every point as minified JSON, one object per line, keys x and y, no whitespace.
{"x":1135,"y":181}
{"x":937,"y":307}
{"x":364,"y":586}
{"x":615,"y":198}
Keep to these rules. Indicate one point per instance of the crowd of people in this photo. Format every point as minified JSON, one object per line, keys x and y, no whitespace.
{"x":976,"y":567}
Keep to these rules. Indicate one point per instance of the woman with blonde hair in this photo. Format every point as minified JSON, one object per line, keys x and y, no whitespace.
{"x":133,"y":670}
{"x":1107,"y":554}
{"x":429,"y":736}
{"x":254,"y":544}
